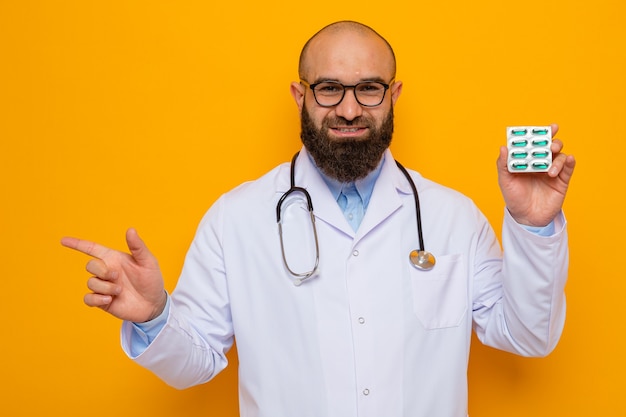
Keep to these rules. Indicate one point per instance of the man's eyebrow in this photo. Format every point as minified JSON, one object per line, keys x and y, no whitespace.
{"x":362,"y":80}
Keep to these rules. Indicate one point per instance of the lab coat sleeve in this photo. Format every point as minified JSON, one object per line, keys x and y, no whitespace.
{"x":192,"y":345}
{"x":528,"y":314}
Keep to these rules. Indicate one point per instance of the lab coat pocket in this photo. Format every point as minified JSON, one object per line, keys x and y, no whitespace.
{"x":440,"y":295}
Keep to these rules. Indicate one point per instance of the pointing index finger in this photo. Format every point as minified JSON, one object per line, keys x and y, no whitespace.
{"x":85,"y":246}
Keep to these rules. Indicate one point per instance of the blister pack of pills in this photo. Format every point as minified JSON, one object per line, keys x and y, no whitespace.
{"x":529,"y":148}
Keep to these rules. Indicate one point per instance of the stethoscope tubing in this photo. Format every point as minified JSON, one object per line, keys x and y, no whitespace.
{"x":418,"y":211}
{"x":420,"y":258}
{"x":300,"y":276}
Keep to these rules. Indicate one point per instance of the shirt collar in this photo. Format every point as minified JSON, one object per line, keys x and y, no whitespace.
{"x":364,"y":186}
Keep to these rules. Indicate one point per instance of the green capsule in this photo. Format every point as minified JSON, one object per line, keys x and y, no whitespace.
{"x":540,"y":154}
{"x":540,"y":165}
{"x":519,"y":154}
{"x":519,"y":165}
{"x":540,"y":131}
{"x":540,"y":142}
{"x":519,"y":132}
{"x":519,"y":143}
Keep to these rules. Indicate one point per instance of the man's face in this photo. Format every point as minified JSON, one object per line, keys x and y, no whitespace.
{"x":348,"y":140}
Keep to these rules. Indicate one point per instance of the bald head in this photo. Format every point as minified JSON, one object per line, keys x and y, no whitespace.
{"x":330,"y":35}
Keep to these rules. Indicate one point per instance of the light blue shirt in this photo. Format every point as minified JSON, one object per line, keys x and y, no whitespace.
{"x":354,"y":197}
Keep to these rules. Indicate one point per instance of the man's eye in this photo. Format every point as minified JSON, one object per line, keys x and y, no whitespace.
{"x":329,"y":88}
{"x":370,"y":88}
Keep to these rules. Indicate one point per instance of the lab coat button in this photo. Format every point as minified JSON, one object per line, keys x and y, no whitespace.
{"x":366,"y":391}
{"x":355,"y":253}
{"x":361,"y":320}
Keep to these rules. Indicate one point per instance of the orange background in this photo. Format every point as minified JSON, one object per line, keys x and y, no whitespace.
{"x":140,"y":113}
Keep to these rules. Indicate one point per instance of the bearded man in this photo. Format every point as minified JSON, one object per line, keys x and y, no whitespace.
{"x":332,"y":318}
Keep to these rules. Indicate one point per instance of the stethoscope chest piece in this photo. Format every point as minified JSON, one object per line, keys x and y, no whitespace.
{"x":422,"y":260}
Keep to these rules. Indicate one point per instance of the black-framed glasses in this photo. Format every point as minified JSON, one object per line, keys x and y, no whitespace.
{"x":331,"y":93}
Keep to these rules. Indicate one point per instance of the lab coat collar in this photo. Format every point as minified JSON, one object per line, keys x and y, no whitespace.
{"x":384,"y":201}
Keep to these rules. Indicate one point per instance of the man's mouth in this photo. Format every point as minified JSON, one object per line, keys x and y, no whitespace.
{"x":349,"y":133}
{"x":347,"y":129}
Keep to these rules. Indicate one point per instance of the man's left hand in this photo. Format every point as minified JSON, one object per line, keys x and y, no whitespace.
{"x":535,"y":199}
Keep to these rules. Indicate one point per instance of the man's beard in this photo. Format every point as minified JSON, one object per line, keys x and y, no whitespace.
{"x":347,"y":159}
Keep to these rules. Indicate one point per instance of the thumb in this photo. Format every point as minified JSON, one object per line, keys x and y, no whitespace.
{"x":501,"y":162}
{"x":137,"y":247}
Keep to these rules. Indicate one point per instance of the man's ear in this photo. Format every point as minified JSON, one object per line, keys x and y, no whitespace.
{"x":297,"y":92}
{"x":396,"y":89}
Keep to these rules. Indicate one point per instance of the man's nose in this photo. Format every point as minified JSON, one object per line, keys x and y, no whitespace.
{"x":349,"y":108}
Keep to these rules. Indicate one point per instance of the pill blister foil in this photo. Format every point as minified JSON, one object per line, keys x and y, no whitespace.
{"x":529,"y":148}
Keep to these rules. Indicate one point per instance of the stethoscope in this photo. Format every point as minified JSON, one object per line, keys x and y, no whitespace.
{"x":419,"y":258}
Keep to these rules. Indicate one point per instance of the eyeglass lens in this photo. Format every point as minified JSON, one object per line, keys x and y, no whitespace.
{"x":366,"y":93}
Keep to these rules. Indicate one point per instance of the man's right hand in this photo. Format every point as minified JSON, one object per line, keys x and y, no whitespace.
{"x":129,"y":286}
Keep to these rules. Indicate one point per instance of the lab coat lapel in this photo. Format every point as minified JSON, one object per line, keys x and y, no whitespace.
{"x":386,"y":196}
{"x":325,"y":206}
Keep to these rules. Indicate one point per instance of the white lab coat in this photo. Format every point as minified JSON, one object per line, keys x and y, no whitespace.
{"x":370,"y":336}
